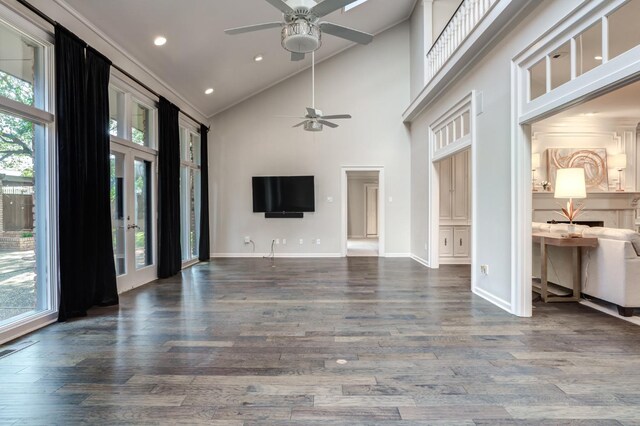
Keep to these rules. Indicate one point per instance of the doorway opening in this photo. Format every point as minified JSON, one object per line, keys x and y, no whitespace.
{"x":363,"y":212}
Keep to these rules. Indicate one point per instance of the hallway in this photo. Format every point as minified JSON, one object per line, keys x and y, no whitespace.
{"x":311,"y":341}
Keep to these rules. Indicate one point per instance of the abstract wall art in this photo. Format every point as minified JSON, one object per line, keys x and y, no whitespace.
{"x":592,"y":160}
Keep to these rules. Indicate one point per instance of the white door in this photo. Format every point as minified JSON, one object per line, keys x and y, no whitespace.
{"x":371,"y":213}
{"x":133,"y":215}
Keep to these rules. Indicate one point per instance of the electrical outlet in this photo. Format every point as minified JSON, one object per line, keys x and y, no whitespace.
{"x":277,"y":240}
{"x":484,"y":269}
{"x":284,"y":241}
{"x":301,"y":241}
{"x":247,"y":240}
{"x":318,"y":241}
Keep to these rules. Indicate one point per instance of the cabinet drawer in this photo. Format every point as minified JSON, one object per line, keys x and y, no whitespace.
{"x":461,"y":241}
{"x":446,"y":241}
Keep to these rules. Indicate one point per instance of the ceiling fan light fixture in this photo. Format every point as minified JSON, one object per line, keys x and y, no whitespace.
{"x":301,"y":36}
{"x":258,"y":58}
{"x":160,"y":41}
{"x":312,"y":126}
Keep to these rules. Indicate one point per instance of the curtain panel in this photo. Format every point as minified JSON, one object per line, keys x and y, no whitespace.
{"x":204,"y":251}
{"x":87,"y":271}
{"x":169,"y":252}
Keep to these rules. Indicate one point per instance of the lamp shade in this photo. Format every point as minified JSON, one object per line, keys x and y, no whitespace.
{"x":535,"y":161}
{"x":618,"y":162}
{"x":570,"y":183}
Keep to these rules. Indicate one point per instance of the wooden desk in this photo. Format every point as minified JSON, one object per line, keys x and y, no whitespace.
{"x":556,"y":240}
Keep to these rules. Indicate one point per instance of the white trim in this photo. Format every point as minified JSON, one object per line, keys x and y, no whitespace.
{"x":267,"y":256}
{"x":500,"y":303}
{"x":27,"y":112}
{"x":398,"y":255}
{"x":455,"y":261}
{"x":345,"y":206}
{"x":420,"y":260}
{"x":87,"y":23}
{"x":12,"y":331}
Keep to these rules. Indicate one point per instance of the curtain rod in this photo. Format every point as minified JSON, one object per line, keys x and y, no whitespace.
{"x":126,"y":73}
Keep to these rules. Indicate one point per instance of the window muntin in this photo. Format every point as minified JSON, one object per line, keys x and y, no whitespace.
{"x":132,"y":117}
{"x":455,"y":128}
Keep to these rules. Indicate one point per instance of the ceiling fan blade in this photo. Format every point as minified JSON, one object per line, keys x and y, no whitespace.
{"x":312,"y":113}
{"x":280,"y":5}
{"x":250,"y":28}
{"x":295,"y":56}
{"x":300,"y":124}
{"x":346,"y":33}
{"x":327,"y":6}
{"x":335,"y":117}
{"x":328,"y":123}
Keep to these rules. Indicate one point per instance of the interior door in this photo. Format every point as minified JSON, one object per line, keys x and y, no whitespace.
{"x":371,"y":195}
{"x":133,"y":215}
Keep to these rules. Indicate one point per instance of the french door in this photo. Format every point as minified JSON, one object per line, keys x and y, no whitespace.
{"x":133,"y":215}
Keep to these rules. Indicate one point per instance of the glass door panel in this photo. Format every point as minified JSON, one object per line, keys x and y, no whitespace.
{"x":118,"y":206}
{"x":142,"y":170}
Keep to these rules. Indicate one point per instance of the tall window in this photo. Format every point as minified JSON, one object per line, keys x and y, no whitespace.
{"x":27,"y":194}
{"x":132,"y":126}
{"x":190,"y":193}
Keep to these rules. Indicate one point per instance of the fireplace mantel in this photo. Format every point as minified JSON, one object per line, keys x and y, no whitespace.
{"x":615,"y":209}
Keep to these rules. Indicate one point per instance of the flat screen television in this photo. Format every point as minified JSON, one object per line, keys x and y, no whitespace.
{"x":283,"y":194}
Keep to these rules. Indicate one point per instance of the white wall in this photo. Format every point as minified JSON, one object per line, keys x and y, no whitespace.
{"x":356,"y":222}
{"x":369,"y":82}
{"x":490,"y":75}
{"x":443,"y":10}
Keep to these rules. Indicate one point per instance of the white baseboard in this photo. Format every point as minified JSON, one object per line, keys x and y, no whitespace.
{"x":281,"y":255}
{"x":455,"y":261}
{"x":355,"y":236}
{"x":421,"y":260}
{"x":397,"y":255}
{"x":500,"y":303}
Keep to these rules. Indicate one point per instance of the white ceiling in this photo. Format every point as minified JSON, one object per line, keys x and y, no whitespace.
{"x":199,"y":55}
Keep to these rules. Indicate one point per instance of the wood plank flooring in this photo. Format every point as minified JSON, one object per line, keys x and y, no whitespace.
{"x":242,"y":341}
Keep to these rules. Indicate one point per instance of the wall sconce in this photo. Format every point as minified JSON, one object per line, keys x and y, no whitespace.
{"x":618,"y":162}
{"x":535,"y":165}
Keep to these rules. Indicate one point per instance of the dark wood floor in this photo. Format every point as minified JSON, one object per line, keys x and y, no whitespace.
{"x":238,"y":341}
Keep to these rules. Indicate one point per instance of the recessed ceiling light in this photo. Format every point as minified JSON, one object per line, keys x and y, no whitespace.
{"x":341,"y":361}
{"x":209,"y":91}
{"x":258,"y":58}
{"x":598,"y":58}
{"x":159,"y":41}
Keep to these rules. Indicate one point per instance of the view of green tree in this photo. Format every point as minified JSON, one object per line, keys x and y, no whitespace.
{"x":16,"y":134}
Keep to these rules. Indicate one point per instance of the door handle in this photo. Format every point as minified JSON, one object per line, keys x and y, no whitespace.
{"x":460,"y":242}
{"x":133,"y":227}
{"x":445,"y":241}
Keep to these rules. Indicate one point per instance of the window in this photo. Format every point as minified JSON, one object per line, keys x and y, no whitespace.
{"x":561,"y":65}
{"x":452,"y":130}
{"x":589,"y":49}
{"x":28,"y":292}
{"x":190,"y":192}
{"x":131,"y":119}
{"x":624,"y":31}
{"x":538,"y":79}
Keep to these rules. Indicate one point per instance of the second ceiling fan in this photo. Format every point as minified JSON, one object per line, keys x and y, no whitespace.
{"x":301,"y":26}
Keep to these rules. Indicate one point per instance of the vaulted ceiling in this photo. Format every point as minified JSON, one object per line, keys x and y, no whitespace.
{"x":199,"y":55}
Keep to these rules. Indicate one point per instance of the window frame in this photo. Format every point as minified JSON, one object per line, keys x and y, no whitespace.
{"x":186,"y":130}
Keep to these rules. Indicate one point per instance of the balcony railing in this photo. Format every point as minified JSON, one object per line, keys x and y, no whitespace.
{"x":468,"y":15}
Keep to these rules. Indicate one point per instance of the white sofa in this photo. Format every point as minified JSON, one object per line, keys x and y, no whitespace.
{"x":610,"y":272}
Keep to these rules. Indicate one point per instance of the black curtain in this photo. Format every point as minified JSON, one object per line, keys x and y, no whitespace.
{"x":101,"y":272}
{"x":82,"y":116}
{"x":70,"y":120}
{"x":169,"y":253}
{"x":203,"y":247}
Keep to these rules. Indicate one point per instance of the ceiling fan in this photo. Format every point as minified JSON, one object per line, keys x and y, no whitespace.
{"x":301,"y":26}
{"x":314,"y":120}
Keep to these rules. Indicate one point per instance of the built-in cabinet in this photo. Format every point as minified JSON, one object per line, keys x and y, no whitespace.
{"x":455,"y":209}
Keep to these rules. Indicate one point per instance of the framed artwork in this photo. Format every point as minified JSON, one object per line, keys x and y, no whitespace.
{"x":592,"y":160}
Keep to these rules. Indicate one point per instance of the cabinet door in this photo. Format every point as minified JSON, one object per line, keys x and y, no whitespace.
{"x":460,"y":194}
{"x":446,"y":241}
{"x":461,"y":241}
{"x":444,"y":175}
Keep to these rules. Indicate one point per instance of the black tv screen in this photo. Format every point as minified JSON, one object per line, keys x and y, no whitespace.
{"x":276,"y":194}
